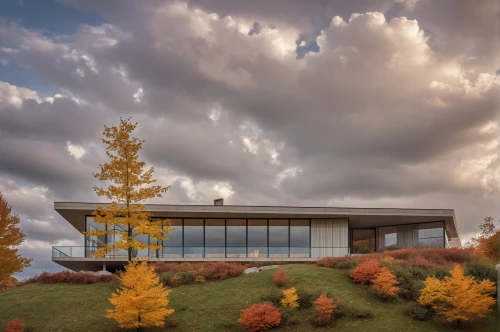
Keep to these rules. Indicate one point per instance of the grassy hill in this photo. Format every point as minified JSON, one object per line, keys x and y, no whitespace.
{"x":212,"y":306}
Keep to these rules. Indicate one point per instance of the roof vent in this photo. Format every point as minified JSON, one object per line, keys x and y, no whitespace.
{"x":219,"y":201}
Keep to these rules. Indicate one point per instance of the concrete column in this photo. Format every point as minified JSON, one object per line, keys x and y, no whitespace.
{"x":104,"y":266}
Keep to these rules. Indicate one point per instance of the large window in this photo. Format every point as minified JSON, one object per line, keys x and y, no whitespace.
{"x":257,"y":238}
{"x":278,"y":238}
{"x":300,"y":238}
{"x":215,"y":238}
{"x":363,"y":241}
{"x":412,"y":235}
{"x":193,"y":238}
{"x":172,"y":247}
{"x":236,"y":238}
{"x":92,"y":243}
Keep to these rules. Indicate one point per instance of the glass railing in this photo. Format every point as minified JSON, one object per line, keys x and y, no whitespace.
{"x":208,"y":252}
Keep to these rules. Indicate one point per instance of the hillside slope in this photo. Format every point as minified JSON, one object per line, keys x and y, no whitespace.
{"x":212,"y":306}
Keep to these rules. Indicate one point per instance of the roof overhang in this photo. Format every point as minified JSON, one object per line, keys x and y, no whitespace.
{"x":75,"y":214}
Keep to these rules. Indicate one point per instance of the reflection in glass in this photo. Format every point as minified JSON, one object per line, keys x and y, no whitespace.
{"x":215,"y":238}
{"x":363,"y":241}
{"x":193,"y":238}
{"x":92,"y":243}
{"x":278,"y":238}
{"x":300,"y":238}
{"x":236,"y":238}
{"x":413,"y":235}
{"x":257,"y":238}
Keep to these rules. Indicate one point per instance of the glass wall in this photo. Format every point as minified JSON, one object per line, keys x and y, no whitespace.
{"x":172,"y":247}
{"x":278,"y":238}
{"x":412,"y":235}
{"x":363,"y":241}
{"x":193,"y":238}
{"x":93,"y":242}
{"x":257,"y":238}
{"x":300,"y":238}
{"x":215,"y":238}
{"x":236,"y":238}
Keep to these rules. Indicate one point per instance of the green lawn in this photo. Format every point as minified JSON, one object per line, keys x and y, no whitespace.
{"x":212,"y":306}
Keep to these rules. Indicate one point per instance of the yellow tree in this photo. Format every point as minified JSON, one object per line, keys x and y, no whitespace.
{"x":125,"y":217}
{"x":290,"y":298}
{"x":10,"y":237}
{"x":458,"y":298}
{"x":385,"y":283}
{"x":141,"y":300}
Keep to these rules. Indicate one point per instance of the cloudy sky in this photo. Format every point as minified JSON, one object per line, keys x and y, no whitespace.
{"x":383,"y":103}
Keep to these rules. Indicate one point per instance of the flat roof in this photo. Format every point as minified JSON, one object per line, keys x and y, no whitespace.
{"x":75,"y":212}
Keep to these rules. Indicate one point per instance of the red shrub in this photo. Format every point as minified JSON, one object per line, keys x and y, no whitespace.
{"x":222,"y":270}
{"x":72,"y":278}
{"x":324,"y":308}
{"x":422,"y":262}
{"x":14,"y":325}
{"x":260,"y":317}
{"x":436,"y":256}
{"x":166,"y":267}
{"x":280,"y":278}
{"x":336,"y":262}
{"x":366,"y":271}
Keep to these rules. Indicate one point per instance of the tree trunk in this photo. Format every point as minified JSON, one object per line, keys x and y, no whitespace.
{"x":459,"y":323}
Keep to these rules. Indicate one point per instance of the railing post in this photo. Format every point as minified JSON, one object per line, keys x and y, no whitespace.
{"x":70,"y":251}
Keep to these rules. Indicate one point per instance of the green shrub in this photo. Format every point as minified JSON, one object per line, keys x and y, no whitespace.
{"x":481,"y":271}
{"x":273,"y":295}
{"x":347,"y":264}
{"x":288,"y":318}
{"x":440,"y":272}
{"x":307,"y":298}
{"x":418,"y":312}
{"x":409,"y":288}
{"x":360,"y":313}
{"x":186,"y":277}
{"x":341,"y":309}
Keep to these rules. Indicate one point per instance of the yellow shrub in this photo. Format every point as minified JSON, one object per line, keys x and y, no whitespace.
{"x":290,"y":298}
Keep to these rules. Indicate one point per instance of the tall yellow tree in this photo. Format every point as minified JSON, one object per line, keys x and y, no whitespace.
{"x":10,"y":237}
{"x":141,"y":300}
{"x":458,"y":298}
{"x":126,"y":217}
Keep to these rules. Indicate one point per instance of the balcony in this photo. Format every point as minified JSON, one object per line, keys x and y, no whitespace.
{"x":208,"y":253}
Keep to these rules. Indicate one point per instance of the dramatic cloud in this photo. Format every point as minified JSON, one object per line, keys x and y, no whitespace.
{"x":379,"y":104}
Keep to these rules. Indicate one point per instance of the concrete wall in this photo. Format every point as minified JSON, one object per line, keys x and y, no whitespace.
{"x":329,"y":238}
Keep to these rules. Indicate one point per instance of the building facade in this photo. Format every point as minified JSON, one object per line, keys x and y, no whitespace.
{"x":263,"y":233}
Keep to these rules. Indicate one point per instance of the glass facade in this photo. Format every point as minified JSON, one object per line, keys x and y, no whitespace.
{"x":424,"y":235}
{"x":363,"y":241}
{"x":261,"y":238}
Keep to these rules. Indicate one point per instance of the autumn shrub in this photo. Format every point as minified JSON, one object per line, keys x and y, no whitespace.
{"x":187,"y":272}
{"x":385,"y":284}
{"x":72,"y":278}
{"x":280,"y":278}
{"x":346,"y":262}
{"x":290,"y":298}
{"x":14,"y":325}
{"x":419,"y":312}
{"x":324,"y":309}
{"x":458,"y":298}
{"x":222,"y":270}
{"x":260,"y":317}
{"x":272,"y":295}
{"x":9,"y":282}
{"x":434,"y":256}
{"x":481,"y":271}
{"x":366,"y":271}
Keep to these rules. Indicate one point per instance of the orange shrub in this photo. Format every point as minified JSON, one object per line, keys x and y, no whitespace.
{"x":8,"y":283}
{"x":14,"y":325}
{"x":385,"y":283}
{"x":280,"y":278}
{"x":209,"y":270}
{"x":324,"y":308}
{"x":366,"y":271}
{"x":260,"y":317}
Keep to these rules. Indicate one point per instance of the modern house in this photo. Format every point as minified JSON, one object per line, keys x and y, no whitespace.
{"x":263,"y":233}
